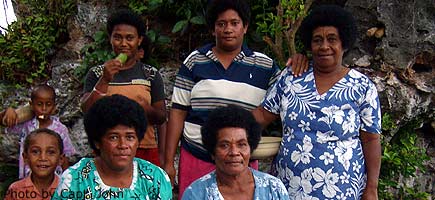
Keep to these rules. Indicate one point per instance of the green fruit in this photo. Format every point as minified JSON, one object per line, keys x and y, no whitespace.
{"x":122,"y":57}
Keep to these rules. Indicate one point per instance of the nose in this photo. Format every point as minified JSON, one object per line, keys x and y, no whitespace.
{"x":43,"y":156}
{"x":324,"y":45}
{"x":234,"y":150}
{"x":122,"y":144}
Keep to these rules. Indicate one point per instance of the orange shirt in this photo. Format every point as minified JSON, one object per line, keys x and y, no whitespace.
{"x":24,"y":189}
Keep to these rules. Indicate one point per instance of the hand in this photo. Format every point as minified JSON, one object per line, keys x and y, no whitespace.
{"x":298,"y":63}
{"x":170,"y":170}
{"x":111,"y":67}
{"x":10,"y":118}
{"x":370,"y":193}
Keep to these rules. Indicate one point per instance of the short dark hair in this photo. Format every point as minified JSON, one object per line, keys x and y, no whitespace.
{"x":230,"y":117}
{"x":126,"y":16}
{"x":46,"y":131}
{"x":42,"y":87}
{"x":216,"y":7}
{"x":329,"y":15}
{"x":111,"y":111}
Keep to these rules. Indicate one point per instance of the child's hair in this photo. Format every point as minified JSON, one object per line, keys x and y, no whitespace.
{"x":42,"y":87}
{"x":46,"y":131}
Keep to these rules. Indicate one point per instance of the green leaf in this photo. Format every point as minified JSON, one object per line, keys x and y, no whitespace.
{"x":179,"y":26}
{"x":197,"y":20}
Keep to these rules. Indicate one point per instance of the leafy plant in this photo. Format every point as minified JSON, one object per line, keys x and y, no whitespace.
{"x":401,"y":158}
{"x":192,"y":12}
{"x":279,"y":26}
{"x":94,"y":54}
{"x":30,"y":41}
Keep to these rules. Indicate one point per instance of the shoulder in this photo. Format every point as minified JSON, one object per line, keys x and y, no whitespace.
{"x":20,"y":184}
{"x":151,"y":169}
{"x":259,"y":59}
{"x":148,"y":70}
{"x":266,"y":180}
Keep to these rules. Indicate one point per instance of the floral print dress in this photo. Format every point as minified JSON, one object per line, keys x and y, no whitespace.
{"x":321,"y":156}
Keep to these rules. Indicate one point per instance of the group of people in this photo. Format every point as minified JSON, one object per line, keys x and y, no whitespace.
{"x":224,"y":95}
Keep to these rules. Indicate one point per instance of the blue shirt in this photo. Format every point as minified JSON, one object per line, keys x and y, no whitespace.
{"x":203,"y":84}
{"x":266,"y":187}
{"x":321,"y":155}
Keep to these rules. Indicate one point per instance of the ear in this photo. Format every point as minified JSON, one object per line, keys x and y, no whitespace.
{"x":245,"y":29}
{"x":62,"y":159}
{"x":30,"y":102}
{"x":97,"y":145}
{"x":25,"y":158}
{"x":140,"y":40}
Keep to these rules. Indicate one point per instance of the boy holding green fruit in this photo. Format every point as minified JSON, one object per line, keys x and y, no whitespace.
{"x":126,"y":75}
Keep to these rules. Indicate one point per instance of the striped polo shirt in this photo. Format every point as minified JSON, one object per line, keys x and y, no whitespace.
{"x":203,"y":84}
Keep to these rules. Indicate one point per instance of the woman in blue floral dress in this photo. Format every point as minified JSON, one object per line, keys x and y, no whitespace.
{"x":331,"y":117}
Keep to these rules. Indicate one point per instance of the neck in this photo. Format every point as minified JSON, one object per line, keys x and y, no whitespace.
{"x":234,"y":181}
{"x":327,"y":72}
{"x":225,"y":57}
{"x":129,"y":64}
{"x":44,"y":123}
{"x":42,"y":183}
{"x":113,"y":177}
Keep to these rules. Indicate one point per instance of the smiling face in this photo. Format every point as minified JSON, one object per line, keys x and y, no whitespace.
{"x":125,"y":39}
{"x":229,"y":31}
{"x":232,"y":151}
{"x":43,"y":104}
{"x":118,"y":148}
{"x":327,"y":48}
{"x":43,"y":155}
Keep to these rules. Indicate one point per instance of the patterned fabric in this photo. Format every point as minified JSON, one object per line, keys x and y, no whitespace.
{"x":266,"y":187}
{"x":82,"y":181}
{"x":25,"y":189}
{"x":321,"y":155}
{"x":203,"y":84}
{"x":26,"y":127}
{"x":142,"y":83}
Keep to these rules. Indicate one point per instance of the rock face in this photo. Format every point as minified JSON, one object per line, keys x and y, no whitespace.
{"x":399,"y":56}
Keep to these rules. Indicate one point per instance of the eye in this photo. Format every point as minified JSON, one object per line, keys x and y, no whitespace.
{"x":235,"y":23}
{"x":131,"y":137}
{"x":224,"y":145}
{"x":130,"y":38}
{"x":35,"y":151}
{"x":220,"y":24}
{"x":113,"y":137}
{"x":51,"y":152}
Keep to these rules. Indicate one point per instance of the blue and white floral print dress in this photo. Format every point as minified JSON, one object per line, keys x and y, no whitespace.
{"x":266,"y":187}
{"x":321,"y":156}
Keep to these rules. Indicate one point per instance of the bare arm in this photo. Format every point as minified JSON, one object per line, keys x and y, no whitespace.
{"x":111,"y":67}
{"x":298,"y":63}
{"x":371,"y":145}
{"x":8,"y":117}
{"x":161,"y":131}
{"x":263,"y":116}
{"x":174,"y":131}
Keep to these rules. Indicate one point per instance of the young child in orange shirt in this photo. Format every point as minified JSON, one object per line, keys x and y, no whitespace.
{"x":43,"y":152}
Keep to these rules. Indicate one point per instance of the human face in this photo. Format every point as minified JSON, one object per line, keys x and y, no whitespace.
{"x":43,"y":105}
{"x":118,"y":148}
{"x":43,"y":155}
{"x":229,"y":31}
{"x":327,"y":48}
{"x":232,"y":151}
{"x":125,"y":39}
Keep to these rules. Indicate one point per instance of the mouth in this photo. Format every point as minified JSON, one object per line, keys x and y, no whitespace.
{"x":42,"y":117}
{"x":43,"y":166}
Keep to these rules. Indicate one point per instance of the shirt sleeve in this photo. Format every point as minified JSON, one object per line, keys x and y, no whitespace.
{"x":182,"y":88}
{"x":68,"y":147}
{"x":370,"y":110}
{"x":91,"y":78}
{"x":276,"y":73}
{"x":157,"y":88}
{"x":64,"y":186}
{"x":272,"y":100}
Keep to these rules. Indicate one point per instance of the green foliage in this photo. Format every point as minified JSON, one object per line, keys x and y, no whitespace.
{"x":140,"y":7}
{"x":192,"y":12}
{"x":9,"y":174}
{"x":95,"y":53}
{"x":26,"y":47}
{"x":401,"y":158}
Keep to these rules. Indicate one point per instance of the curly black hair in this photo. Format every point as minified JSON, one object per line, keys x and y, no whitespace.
{"x":329,"y":15}
{"x":111,"y":111}
{"x":46,"y":131}
{"x":42,"y":87}
{"x":216,"y":7}
{"x":126,"y":16}
{"x":230,"y":117}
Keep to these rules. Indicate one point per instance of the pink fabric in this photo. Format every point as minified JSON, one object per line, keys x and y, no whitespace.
{"x":26,"y":127}
{"x":191,"y":168}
